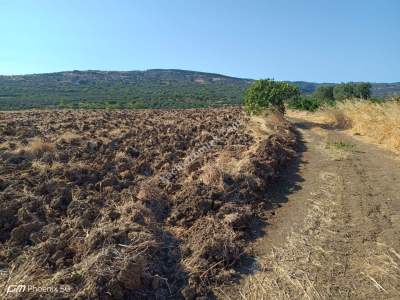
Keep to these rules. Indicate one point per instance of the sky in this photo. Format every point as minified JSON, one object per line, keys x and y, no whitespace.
{"x":321,"y":40}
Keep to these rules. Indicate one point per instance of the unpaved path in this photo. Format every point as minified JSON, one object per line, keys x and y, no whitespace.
{"x":337,"y":233}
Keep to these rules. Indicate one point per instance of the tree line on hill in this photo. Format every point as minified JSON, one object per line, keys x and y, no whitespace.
{"x":158,"y":89}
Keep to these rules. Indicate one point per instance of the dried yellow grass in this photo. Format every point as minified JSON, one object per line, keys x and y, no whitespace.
{"x":263,"y":125}
{"x":121,"y":155}
{"x":43,"y":167}
{"x":380,"y":122}
{"x":69,"y":137}
{"x":38,"y":146}
{"x":212,"y":175}
{"x":233,"y":163}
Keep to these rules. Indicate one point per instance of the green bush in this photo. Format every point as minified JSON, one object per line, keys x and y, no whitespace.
{"x":268,"y":93}
{"x":349,"y":90}
{"x":324,"y":93}
{"x":305,"y":103}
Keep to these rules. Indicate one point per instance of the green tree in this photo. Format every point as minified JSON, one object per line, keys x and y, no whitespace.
{"x":324,"y":93}
{"x":305,"y":103}
{"x":268,"y":93}
{"x":343,"y":91}
{"x":363,"y":90}
{"x":349,"y":90}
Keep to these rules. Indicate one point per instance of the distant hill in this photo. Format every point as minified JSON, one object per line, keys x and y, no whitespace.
{"x":385,"y":89}
{"x":157,"y":88}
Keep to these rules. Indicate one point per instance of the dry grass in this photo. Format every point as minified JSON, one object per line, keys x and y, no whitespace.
{"x":121,"y":155}
{"x":308,"y":260}
{"x":115,"y":132}
{"x":212,"y":175}
{"x":232,"y":165}
{"x":261,"y":126}
{"x":217,"y":241}
{"x":70,"y":137}
{"x":44,"y":168}
{"x":238,"y":162}
{"x":283,"y":272}
{"x":379,"y":122}
{"x":149,"y":191}
{"x":38,"y":146}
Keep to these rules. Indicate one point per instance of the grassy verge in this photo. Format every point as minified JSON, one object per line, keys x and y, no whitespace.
{"x":378,"y":121}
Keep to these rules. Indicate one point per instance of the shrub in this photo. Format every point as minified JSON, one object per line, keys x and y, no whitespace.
{"x":324,"y":92}
{"x":305,"y":103}
{"x":352,"y":90}
{"x":267,"y":93}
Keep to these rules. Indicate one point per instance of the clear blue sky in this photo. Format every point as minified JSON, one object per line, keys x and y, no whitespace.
{"x":316,"y":40}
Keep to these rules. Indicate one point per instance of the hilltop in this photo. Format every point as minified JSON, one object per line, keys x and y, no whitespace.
{"x":156,"y":88}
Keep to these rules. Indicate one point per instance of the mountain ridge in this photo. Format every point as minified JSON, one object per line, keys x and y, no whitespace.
{"x":152,"y":88}
{"x":178,"y":70}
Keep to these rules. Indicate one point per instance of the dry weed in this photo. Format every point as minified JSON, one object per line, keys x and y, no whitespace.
{"x":44,"y":168}
{"x":69,"y":137}
{"x":212,"y":175}
{"x":380,"y":122}
{"x":37,"y":147}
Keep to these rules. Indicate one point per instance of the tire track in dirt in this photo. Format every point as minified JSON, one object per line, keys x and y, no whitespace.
{"x":337,"y":237}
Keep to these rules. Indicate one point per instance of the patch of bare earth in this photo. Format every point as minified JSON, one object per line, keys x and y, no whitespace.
{"x":152,"y":204}
{"x":337,"y":235}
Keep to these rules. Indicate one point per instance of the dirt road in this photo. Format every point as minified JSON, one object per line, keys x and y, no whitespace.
{"x":337,"y":232}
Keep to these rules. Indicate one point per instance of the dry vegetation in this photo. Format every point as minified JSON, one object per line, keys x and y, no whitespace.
{"x":133,"y":204}
{"x":345,"y":245}
{"x":380,"y":122}
{"x":377,"y":122}
{"x":315,"y":261}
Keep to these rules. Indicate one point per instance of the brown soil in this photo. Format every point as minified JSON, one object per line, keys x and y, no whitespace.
{"x":337,"y":233}
{"x":132,"y":204}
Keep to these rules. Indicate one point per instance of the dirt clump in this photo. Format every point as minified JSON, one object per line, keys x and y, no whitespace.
{"x":131,"y":204}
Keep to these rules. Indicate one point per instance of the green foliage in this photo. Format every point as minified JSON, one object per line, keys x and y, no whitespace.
{"x":352,"y":90}
{"x":340,"y":145}
{"x":328,"y":95}
{"x":305,"y":103}
{"x":324,"y":93}
{"x":136,"y":89}
{"x":363,"y":90}
{"x":151,"y":89}
{"x":343,"y":91}
{"x":267,"y":93}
